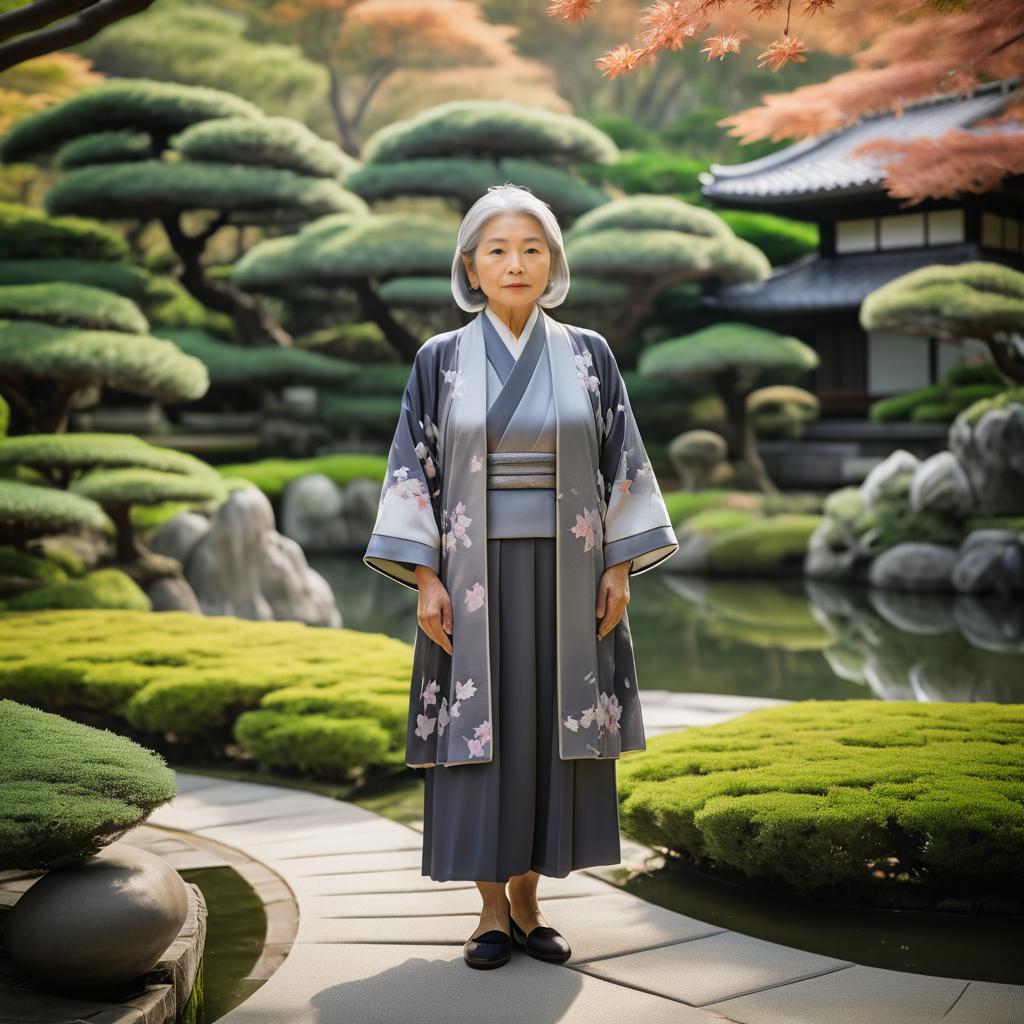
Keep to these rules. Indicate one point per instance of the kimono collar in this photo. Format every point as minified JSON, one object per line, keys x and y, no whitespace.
{"x":514,"y":345}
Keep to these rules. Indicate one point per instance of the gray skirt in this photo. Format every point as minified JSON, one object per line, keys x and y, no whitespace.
{"x":527,"y":809}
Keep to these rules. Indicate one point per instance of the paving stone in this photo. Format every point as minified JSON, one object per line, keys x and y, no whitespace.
{"x":430,"y":903}
{"x":350,"y":863}
{"x":377,"y":835}
{"x":853,"y":995}
{"x":404,"y":983}
{"x":595,"y":926}
{"x":280,"y":829}
{"x":195,"y":817}
{"x":705,"y":970}
{"x":988,"y":1001}
{"x":186,"y":782}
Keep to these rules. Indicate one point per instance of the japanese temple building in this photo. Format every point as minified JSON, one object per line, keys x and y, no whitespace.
{"x":866,"y":240}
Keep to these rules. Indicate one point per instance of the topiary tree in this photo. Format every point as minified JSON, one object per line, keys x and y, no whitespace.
{"x":456,"y":150}
{"x":111,"y":472}
{"x":781,"y":410}
{"x":140,"y":151}
{"x":976,"y":300}
{"x":653,"y":243}
{"x":730,"y":355}
{"x":67,"y":790}
{"x":356,"y":253}
{"x":59,"y":343}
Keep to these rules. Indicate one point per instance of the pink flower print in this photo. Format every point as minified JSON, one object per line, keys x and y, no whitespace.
{"x":625,"y":485}
{"x":611,"y":712}
{"x":455,"y":709}
{"x":572,"y":723}
{"x":475,"y":464}
{"x":424,"y":726}
{"x":463,"y":691}
{"x":476,"y":748}
{"x":460,"y":521}
{"x":588,"y":716}
{"x":424,"y":457}
{"x":586,"y":527}
{"x":454,"y":377}
{"x":429,"y":694}
{"x":475,"y":597}
{"x":442,"y":717}
{"x":483,"y":731}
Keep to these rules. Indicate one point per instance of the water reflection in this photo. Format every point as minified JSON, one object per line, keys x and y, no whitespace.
{"x":793,"y":639}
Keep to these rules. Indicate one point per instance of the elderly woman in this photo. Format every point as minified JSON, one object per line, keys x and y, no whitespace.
{"x":518,"y":501}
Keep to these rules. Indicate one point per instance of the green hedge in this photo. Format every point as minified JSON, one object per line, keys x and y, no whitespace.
{"x":828,"y":793}
{"x":188,"y":681}
{"x":67,"y":790}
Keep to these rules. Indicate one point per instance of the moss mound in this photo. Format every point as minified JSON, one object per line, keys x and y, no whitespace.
{"x":328,"y":701}
{"x":67,"y":790}
{"x":850,"y":794}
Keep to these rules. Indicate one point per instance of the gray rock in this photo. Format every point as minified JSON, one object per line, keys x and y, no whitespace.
{"x":101,"y":922}
{"x":178,"y":536}
{"x":823,"y":561}
{"x":991,"y":624}
{"x":890,"y":478}
{"x":325,"y":518}
{"x":989,"y":560}
{"x":172,"y":594}
{"x":914,"y":566}
{"x":992,"y":454}
{"x":940,"y":485}
{"x":915,"y":613}
{"x":244,"y":567}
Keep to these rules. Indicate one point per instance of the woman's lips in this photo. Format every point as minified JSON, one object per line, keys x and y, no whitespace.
{"x":515,"y":286}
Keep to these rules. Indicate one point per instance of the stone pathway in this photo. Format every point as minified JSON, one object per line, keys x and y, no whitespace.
{"x":376,"y":941}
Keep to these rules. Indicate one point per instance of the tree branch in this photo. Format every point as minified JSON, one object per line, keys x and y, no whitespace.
{"x":68,"y":33}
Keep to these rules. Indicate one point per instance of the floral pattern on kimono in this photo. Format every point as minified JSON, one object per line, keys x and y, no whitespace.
{"x":608,"y":505}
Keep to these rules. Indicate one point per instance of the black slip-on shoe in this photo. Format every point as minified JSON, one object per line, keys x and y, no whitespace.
{"x":492,"y":949}
{"x":543,"y":943}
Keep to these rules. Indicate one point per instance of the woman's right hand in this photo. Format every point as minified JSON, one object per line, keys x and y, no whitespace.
{"x":434,"y":611}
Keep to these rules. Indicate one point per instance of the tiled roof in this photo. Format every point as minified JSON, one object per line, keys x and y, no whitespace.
{"x":840,"y":282}
{"x":822,"y":165}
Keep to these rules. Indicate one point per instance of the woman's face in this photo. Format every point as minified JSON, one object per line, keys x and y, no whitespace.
{"x":512,"y":251}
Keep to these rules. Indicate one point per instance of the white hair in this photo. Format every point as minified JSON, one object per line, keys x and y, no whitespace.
{"x":508,"y":198}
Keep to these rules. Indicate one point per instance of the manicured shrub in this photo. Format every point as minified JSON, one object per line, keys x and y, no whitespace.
{"x":336,"y":748}
{"x":189,"y":680}
{"x":67,"y":790}
{"x":838,"y":793}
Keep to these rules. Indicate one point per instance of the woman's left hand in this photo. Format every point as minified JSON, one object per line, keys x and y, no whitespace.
{"x":612,"y":597}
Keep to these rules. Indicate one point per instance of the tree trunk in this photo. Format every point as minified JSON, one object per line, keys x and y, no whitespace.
{"x":377,"y":311}
{"x":744,"y":446}
{"x":342,"y":123}
{"x":254,"y":326}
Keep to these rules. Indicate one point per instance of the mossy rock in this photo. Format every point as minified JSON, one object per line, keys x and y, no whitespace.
{"x":827,"y":793}
{"x":104,"y":588}
{"x":271,"y":476}
{"x":190,"y":679}
{"x":765,"y":545}
{"x":67,"y":790}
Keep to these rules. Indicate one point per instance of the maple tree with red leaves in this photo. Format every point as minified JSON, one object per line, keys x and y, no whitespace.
{"x":903,"y":50}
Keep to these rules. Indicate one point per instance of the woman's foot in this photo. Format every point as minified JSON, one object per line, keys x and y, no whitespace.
{"x":526,"y":911}
{"x":494,"y":919}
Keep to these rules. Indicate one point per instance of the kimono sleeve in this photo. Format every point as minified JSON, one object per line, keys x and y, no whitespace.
{"x":407,"y":531}
{"x":637,"y":527}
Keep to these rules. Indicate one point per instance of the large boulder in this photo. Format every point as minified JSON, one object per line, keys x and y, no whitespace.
{"x":914,"y":566}
{"x":940,"y":485}
{"x":991,"y":449}
{"x":891,"y":478}
{"x":323,"y":517}
{"x":242,"y":566}
{"x":990,"y":560}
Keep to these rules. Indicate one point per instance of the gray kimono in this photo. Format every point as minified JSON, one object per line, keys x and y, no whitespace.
{"x":457,"y":462}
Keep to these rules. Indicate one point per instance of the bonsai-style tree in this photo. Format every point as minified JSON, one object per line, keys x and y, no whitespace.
{"x":112,"y":471}
{"x":136,"y":150}
{"x":649,"y":244}
{"x":360,"y":254}
{"x":457,"y":149}
{"x":731,"y":355}
{"x":977,"y":300}
{"x":67,"y":789}
{"x":60,"y":342}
